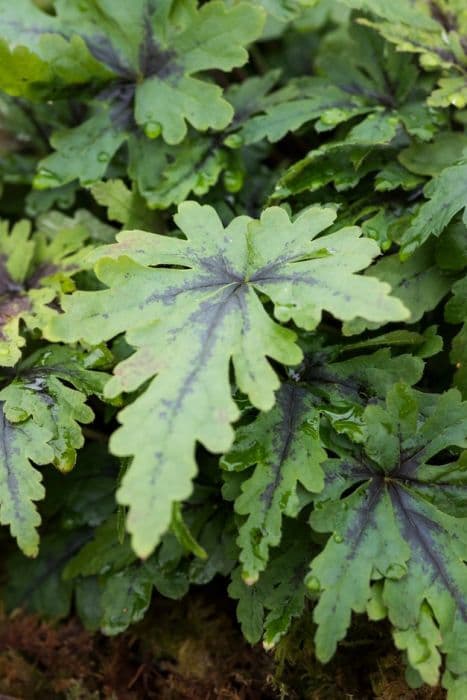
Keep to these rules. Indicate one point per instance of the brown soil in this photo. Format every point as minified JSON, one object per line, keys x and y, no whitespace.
{"x":190,"y":650}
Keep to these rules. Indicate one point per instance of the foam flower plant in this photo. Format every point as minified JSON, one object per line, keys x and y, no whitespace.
{"x":141,"y":61}
{"x":396,"y":509}
{"x":189,"y":307}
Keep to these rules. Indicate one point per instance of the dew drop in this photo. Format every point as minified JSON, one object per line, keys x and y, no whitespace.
{"x":152,"y":130}
{"x":233,"y":141}
{"x":18,"y":415}
{"x":250,"y":580}
{"x":66,"y":461}
{"x":233,"y":180}
{"x":202,"y":184}
{"x":338,"y":538}
{"x":46,"y":179}
{"x":313,"y":584}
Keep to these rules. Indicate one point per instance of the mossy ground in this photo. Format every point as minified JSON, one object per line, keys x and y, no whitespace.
{"x":192,"y":650}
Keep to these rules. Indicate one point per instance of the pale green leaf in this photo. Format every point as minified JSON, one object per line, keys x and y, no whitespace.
{"x":187,"y":324}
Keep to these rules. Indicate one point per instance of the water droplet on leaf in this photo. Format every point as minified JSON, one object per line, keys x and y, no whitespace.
{"x":313,"y":584}
{"x":66,"y":461}
{"x":17,"y":415}
{"x":233,"y":141}
{"x":338,"y":538}
{"x":233,"y":180}
{"x":45,"y":179}
{"x":152,"y":130}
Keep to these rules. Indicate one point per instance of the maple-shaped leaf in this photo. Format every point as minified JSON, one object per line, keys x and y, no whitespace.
{"x":358,"y":76}
{"x":166,"y":174}
{"x":40,"y":423}
{"x":34,"y":271}
{"x":436,"y":32}
{"x":187,"y":322}
{"x":20,"y":483}
{"x":40,"y":391}
{"x":342,"y":388}
{"x":391,"y":520}
{"x":38,"y":59}
{"x":144,"y":63}
{"x":284,"y":447}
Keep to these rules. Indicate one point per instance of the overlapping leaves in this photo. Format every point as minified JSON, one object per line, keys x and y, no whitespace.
{"x":34,"y":271}
{"x":396,"y":511}
{"x":40,"y":423}
{"x":359,"y":76}
{"x":436,"y":32}
{"x":141,"y":62}
{"x":188,"y":323}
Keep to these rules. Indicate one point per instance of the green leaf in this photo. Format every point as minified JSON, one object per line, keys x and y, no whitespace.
{"x":267,"y":608}
{"x":417,"y":282}
{"x":93,"y":144}
{"x":382,"y":506}
{"x":398,"y":11}
{"x":149,"y":66}
{"x":37,"y":60}
{"x":301,"y":101}
{"x":167,"y":174}
{"x":103,"y":554}
{"x":37,"y":585}
{"x":447,"y":196}
{"x":456,"y":312}
{"x":20,"y":484}
{"x":125,"y":598}
{"x":286,"y":10}
{"x":363,"y":376}
{"x":124,"y":205}
{"x":21,"y":70}
{"x":39,"y":393}
{"x":431,"y":158}
{"x":40,"y":419}
{"x":359,"y":76}
{"x":340,"y":163}
{"x":188,"y":323}
{"x":435,"y":31}
{"x":284,"y":447}
{"x":33,"y":272}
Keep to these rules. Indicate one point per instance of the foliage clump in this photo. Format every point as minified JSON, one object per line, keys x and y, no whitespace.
{"x":233,"y":315}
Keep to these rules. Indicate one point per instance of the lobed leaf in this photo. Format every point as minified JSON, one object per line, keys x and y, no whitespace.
{"x":187,"y":323}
